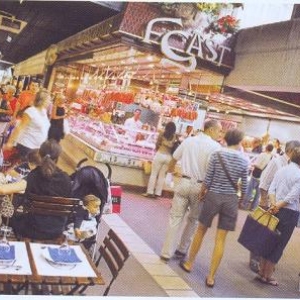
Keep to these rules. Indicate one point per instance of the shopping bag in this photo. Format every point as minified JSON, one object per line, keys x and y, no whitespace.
{"x":258,"y":238}
{"x":265,"y":218}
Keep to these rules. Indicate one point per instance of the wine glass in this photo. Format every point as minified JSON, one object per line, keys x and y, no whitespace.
{"x":4,"y":244}
{"x":7,"y":211}
{"x":64,"y":248}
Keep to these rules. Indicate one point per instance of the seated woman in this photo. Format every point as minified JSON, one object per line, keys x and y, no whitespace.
{"x":47,"y":180}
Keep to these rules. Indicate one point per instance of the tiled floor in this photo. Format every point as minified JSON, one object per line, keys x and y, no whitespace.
{"x":164,"y":276}
{"x":142,"y":225}
{"x":148,"y":219}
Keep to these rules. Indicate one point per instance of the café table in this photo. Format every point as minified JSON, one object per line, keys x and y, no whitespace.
{"x":32,"y":273}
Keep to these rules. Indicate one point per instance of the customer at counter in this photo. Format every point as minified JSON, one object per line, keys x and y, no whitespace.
{"x":161,"y":161}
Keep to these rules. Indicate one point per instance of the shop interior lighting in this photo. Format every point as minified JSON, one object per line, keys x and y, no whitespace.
{"x":9,"y":23}
{"x":149,"y":57}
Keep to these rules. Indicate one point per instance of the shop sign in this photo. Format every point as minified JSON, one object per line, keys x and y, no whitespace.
{"x":196,"y":44}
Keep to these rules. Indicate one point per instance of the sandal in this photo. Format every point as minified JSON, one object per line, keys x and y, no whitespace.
{"x":270,"y":281}
{"x":209,"y":284}
{"x":183,"y":267}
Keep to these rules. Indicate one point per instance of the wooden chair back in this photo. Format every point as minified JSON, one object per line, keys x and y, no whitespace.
{"x":54,"y":206}
{"x":114,"y":253}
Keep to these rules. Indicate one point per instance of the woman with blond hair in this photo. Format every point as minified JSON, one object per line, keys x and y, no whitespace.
{"x":58,"y":115}
{"x":32,"y":130}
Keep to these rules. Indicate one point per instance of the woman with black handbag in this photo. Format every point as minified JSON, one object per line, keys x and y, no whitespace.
{"x":284,"y":194}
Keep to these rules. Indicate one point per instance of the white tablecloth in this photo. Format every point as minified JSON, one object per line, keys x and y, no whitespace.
{"x":44,"y":268}
{"x":21,"y":265}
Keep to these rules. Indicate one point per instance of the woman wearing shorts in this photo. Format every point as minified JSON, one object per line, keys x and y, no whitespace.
{"x":219,"y":193}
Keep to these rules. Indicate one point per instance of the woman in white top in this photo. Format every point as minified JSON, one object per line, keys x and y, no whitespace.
{"x":33,"y":128}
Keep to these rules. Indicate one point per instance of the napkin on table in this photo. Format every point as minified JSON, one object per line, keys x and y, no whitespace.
{"x":7,"y":255}
{"x":69,"y":256}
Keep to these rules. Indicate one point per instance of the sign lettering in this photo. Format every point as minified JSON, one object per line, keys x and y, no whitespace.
{"x":196,"y":44}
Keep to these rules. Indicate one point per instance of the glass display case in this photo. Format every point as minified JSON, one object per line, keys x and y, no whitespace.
{"x":115,"y":143}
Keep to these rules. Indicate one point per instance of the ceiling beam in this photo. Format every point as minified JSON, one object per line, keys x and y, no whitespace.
{"x":117,"y":6}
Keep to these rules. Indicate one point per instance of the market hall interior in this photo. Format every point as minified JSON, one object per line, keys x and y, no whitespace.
{"x":114,"y":65}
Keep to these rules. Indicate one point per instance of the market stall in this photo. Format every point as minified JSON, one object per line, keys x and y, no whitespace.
{"x":156,"y":57}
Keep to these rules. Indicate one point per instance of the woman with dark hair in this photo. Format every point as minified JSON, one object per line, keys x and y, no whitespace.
{"x":161,"y":160}
{"x":45,"y":180}
{"x":219,"y":193}
{"x":33,"y":128}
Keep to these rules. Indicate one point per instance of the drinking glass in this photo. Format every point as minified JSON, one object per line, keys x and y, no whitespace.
{"x":64,"y":248}
{"x":4,"y":244}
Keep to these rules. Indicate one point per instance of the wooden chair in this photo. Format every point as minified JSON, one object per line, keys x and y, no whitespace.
{"x":53,"y":206}
{"x":114,"y":253}
{"x":56,"y":206}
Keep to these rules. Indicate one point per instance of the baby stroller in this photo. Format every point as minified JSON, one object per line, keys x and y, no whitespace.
{"x":89,"y":180}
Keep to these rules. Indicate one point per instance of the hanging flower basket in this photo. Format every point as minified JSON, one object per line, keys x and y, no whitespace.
{"x":225,"y":25}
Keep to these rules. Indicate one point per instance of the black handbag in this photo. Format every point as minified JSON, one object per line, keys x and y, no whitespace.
{"x":257,"y":238}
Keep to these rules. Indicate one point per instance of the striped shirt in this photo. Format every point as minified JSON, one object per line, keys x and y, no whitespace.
{"x":237,"y":167}
{"x":286,"y":186}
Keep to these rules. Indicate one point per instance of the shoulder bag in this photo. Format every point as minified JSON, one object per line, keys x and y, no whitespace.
{"x":226,"y":172}
{"x":258,"y":238}
{"x":265,"y":218}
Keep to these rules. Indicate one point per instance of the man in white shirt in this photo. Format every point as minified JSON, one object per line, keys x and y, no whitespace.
{"x":134,"y":122}
{"x":194,"y":153}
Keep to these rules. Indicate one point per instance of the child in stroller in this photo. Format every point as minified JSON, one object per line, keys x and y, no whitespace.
{"x":89,"y":183}
{"x":85,"y":223}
